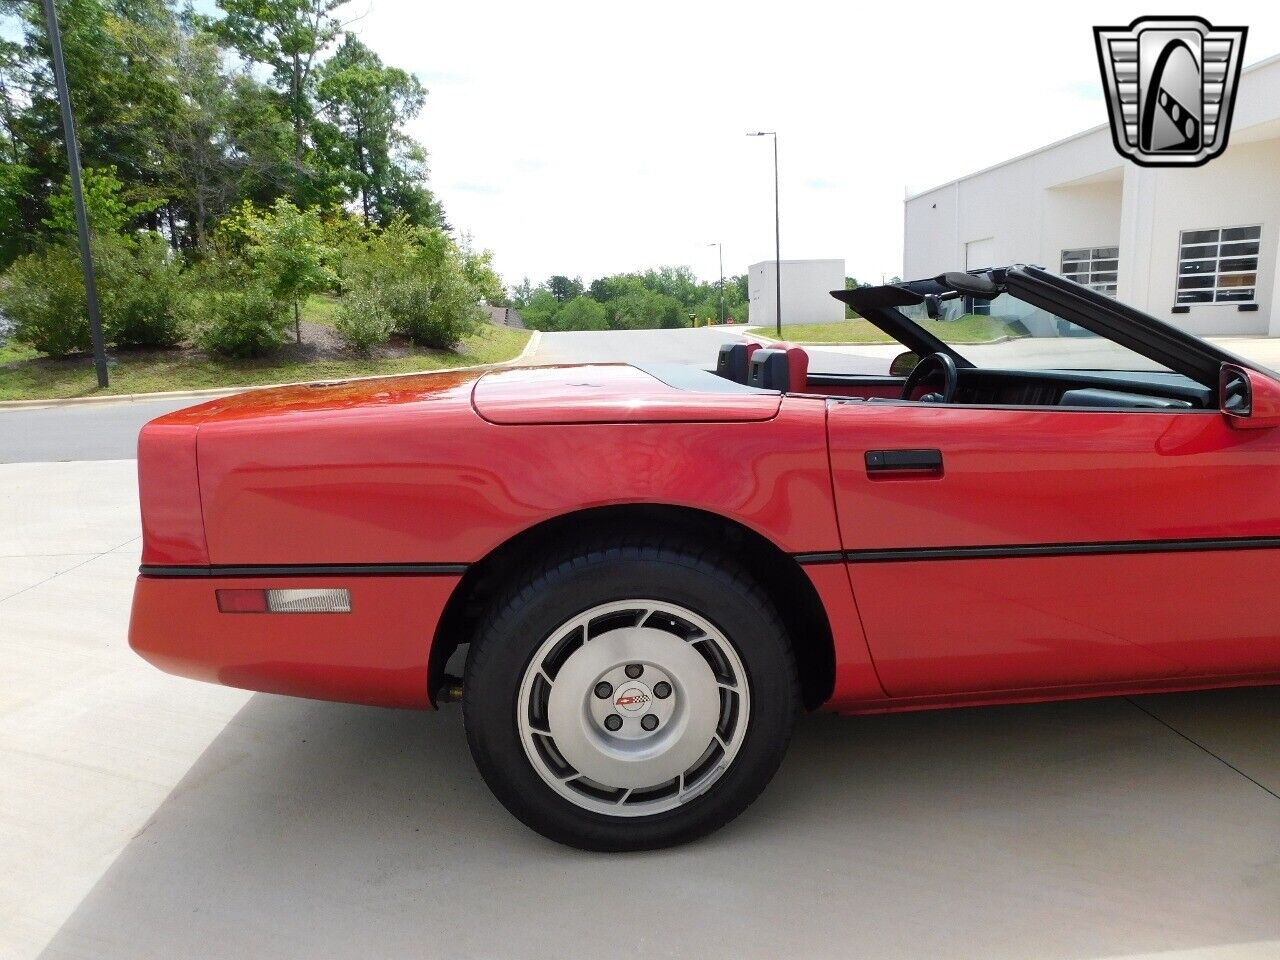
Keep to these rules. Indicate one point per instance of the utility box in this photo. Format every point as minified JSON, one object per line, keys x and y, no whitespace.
{"x":806,"y":292}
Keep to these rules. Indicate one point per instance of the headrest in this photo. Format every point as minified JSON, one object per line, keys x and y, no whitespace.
{"x":734,"y":360}
{"x":781,"y":366}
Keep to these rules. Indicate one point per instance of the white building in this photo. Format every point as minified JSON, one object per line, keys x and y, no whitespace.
{"x":1194,"y":246}
{"x":806,"y":292}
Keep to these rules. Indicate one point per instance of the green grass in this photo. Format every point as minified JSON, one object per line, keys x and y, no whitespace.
{"x":25,"y":377}
{"x":15,"y":353}
{"x":846,"y":331}
{"x":321,"y":309}
{"x":970,"y":328}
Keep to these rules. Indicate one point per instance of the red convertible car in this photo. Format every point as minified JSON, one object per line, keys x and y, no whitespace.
{"x":653,"y":569}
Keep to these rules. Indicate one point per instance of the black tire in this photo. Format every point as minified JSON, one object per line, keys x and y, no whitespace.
{"x":677,"y":572}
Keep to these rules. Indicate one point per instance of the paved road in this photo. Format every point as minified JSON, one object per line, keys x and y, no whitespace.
{"x":643,"y":346}
{"x":89,"y":431}
{"x":693,"y":346}
{"x":109,"y":431}
{"x":142,"y":815}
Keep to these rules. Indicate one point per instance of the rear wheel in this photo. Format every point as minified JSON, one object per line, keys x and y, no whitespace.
{"x":630,"y":697}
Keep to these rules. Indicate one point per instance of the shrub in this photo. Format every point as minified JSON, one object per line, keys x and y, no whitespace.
{"x":287,"y":248}
{"x":139,"y":285}
{"x":42,"y":294}
{"x":642,"y":309}
{"x":231,"y":312}
{"x":415,"y":279}
{"x":541,"y":311}
{"x":582,"y":313}
{"x":363,"y":320}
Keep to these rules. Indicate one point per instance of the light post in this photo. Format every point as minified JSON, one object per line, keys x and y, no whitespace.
{"x":720,"y":312}
{"x":77,"y":195}
{"x":777,"y":227}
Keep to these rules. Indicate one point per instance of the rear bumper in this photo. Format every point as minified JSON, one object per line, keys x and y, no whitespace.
{"x":376,"y":654}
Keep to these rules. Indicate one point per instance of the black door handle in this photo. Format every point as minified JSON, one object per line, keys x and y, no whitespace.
{"x":904,"y":461}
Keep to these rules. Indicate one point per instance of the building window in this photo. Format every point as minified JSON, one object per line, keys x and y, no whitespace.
{"x":1095,"y":267}
{"x":1218,"y":266}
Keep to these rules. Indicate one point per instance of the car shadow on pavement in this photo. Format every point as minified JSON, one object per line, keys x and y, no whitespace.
{"x":1067,"y":830}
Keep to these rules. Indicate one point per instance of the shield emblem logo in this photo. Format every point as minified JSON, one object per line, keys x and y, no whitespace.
{"x":1171,"y":85}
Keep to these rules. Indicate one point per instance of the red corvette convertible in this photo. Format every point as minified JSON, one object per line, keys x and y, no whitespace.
{"x":654,"y":569}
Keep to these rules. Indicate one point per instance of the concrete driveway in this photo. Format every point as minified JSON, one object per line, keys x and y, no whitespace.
{"x":143,"y":815}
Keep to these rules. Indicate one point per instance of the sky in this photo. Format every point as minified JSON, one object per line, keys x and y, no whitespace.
{"x":595,"y":138}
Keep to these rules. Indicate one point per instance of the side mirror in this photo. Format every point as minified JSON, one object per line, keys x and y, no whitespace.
{"x":903,"y":364}
{"x":1250,"y":400}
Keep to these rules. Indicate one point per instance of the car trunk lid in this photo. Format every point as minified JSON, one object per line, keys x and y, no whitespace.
{"x":617,"y":393}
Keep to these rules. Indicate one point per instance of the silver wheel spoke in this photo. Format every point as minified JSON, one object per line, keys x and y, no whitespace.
{"x":634,"y":722}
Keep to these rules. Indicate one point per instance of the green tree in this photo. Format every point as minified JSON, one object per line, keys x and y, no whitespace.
{"x":287,"y":248}
{"x":564,"y":289}
{"x":520,"y":294}
{"x":540,"y":311}
{"x":14,"y":178}
{"x":581,"y":313}
{"x":647,"y":310}
{"x":851,"y":283}
{"x":477,"y":267}
{"x":119,"y":57}
{"x":203,"y":162}
{"x":678,"y":283}
{"x":108,"y":208}
{"x":288,"y":36}
{"x":367,"y":104}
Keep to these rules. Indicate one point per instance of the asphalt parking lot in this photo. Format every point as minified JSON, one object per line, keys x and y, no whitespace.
{"x":142,"y":815}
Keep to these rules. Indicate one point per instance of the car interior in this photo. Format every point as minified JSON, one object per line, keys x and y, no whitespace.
{"x":1182,"y":369}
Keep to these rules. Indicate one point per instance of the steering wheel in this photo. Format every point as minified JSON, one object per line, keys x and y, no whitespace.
{"x":927,"y":368}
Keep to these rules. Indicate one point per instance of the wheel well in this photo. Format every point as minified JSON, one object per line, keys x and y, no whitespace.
{"x":793,"y":594}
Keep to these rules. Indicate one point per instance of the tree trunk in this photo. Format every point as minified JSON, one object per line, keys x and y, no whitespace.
{"x":364,"y":172}
{"x":296,"y":88}
{"x":297,"y":323}
{"x":199,"y":224}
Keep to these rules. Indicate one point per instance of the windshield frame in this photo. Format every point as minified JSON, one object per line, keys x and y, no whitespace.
{"x":1167,"y":345}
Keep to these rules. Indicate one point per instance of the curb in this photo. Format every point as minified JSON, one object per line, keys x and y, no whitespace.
{"x":212,"y":392}
{"x":530,"y":348}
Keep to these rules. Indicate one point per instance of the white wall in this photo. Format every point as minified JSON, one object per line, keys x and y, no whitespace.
{"x":1079,"y":215}
{"x":806,"y":292}
{"x":1080,"y":193}
{"x":1011,"y":205}
{"x":1240,"y":188}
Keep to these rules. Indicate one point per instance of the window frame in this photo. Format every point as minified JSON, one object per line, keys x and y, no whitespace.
{"x":1108,"y":288}
{"x":1215,"y":288}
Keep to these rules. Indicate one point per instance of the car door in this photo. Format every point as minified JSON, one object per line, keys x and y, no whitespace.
{"x":1003,"y":548}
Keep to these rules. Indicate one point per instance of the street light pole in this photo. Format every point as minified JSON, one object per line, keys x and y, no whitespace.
{"x":77,"y":194}
{"x":721,"y":308}
{"x":777,"y":228}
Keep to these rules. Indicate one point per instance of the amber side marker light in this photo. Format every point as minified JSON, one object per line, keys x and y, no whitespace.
{"x":323,"y":600}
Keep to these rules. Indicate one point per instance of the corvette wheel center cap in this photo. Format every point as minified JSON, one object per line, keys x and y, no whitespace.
{"x":633,"y":698}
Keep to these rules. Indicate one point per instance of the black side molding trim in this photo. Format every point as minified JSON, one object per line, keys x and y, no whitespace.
{"x":834,"y":556}
{"x":309,"y":570}
{"x":1061,"y":549}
